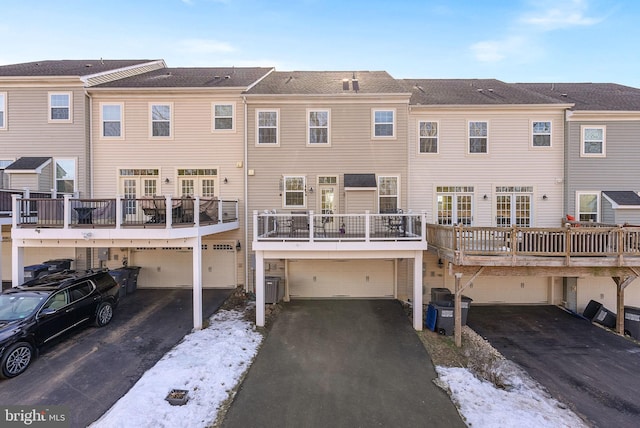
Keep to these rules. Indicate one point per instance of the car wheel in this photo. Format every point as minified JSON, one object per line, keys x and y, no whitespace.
{"x":104,"y":314}
{"x":16,"y":359}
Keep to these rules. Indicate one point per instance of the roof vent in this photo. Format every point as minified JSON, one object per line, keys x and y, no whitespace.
{"x":88,"y":65}
{"x":479,"y":89}
{"x":563,"y":95}
{"x":345,"y":84}
{"x":227,"y":77}
{"x":216,"y":77}
{"x":490,"y":90}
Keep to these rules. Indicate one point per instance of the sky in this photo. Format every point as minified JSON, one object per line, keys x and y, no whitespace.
{"x":510,"y":40}
{"x":210,"y":363}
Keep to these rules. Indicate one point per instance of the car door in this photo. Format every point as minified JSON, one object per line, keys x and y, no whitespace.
{"x":83,"y":301}
{"x":53,"y":318}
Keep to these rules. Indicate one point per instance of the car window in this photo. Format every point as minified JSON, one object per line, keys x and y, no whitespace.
{"x":14,"y":307}
{"x":81,"y":290}
{"x":56,"y":301}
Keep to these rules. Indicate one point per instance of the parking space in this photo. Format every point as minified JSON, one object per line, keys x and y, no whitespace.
{"x":93,"y":368}
{"x":592,"y":370}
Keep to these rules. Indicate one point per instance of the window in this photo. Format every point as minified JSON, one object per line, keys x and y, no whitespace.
{"x":588,"y":204}
{"x":387,"y":195}
{"x":513,"y":206}
{"x":478,"y":136}
{"x":267,"y":127}
{"x":201,"y":182}
{"x":160,"y":120}
{"x":65,"y":175}
{"x":294,"y":189}
{"x":541,"y":134}
{"x":3,"y":110}
{"x":318,"y":122}
{"x":60,"y":107}
{"x":384,"y":123}
{"x":111,"y":120}
{"x":137,"y":183}
{"x":455,"y":205}
{"x":428,"y":135}
{"x":593,"y":141}
{"x":223,"y":117}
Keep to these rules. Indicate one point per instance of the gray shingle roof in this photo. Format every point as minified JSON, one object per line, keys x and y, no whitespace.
{"x":67,"y":67}
{"x":471,"y":92}
{"x":623,"y":197}
{"x":360,"y":180}
{"x":328,"y":83}
{"x":27,"y":164}
{"x":590,"y":96}
{"x":192,"y":77}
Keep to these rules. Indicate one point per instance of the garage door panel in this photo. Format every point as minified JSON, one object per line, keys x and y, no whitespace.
{"x":341,"y":278}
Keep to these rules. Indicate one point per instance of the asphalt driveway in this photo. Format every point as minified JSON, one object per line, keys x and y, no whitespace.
{"x":594,"y":371}
{"x":90,"y":370}
{"x":341,"y":363}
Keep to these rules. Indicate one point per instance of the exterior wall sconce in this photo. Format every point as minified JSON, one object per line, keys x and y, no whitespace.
{"x":226,"y":181}
{"x":440,"y":263}
{"x":485,"y":197}
{"x":545,"y":197}
{"x":238,"y":246}
{"x":166,"y":180}
{"x":310,"y":189}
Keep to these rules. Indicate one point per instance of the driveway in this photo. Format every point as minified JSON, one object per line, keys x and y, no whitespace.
{"x":341,"y":363}
{"x":89,"y":371}
{"x":594,"y":371}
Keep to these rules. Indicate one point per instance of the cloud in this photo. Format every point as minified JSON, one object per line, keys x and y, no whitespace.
{"x":498,"y":50}
{"x":553,"y":15}
{"x":204,"y":46}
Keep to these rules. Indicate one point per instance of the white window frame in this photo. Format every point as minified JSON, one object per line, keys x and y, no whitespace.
{"x":151,"y":121}
{"x":258,"y":127}
{"x":534,"y":134}
{"x":303,"y":191}
{"x":583,"y":153}
{"x":456,"y":193}
{"x":102,"y":121}
{"x":588,"y":193}
{"x":374,"y":136}
{"x":420,"y":137}
{"x":69,"y":107}
{"x":75,"y":172}
{"x":232,"y":117}
{"x":469,"y":137}
{"x":380,"y":195}
{"x":310,"y":127}
{"x":3,"y":110}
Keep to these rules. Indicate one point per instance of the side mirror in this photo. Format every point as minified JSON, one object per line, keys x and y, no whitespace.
{"x":46,"y":312}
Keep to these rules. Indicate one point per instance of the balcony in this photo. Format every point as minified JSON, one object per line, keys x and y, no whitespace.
{"x":310,"y":231}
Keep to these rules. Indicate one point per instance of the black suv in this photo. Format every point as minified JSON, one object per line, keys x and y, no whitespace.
{"x":45,"y":308}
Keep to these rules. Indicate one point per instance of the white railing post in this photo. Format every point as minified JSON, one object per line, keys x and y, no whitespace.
{"x":66,"y":211}
{"x":168,"y":217}
{"x":220,"y":210}
{"x":15,"y":210}
{"x":118,"y":211}
{"x":255,"y":225}
{"x":196,"y":211}
{"x":237,"y":210}
{"x":367,"y":224}
{"x":311,"y":227}
{"x":423,"y":226}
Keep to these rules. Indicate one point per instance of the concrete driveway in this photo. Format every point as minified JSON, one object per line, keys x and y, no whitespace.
{"x":341,"y":363}
{"x":90,"y":370}
{"x":594,"y":371}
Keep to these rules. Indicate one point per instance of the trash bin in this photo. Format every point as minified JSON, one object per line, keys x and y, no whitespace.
{"x":632,"y":321}
{"x":466,"y":302}
{"x":443,"y":313}
{"x":440,"y":294}
{"x":591,"y":310}
{"x":35,"y":271}
{"x":120,"y":275}
{"x":58,"y":265}
{"x":132,"y":278}
{"x":272,"y":292}
{"x":605,"y":317}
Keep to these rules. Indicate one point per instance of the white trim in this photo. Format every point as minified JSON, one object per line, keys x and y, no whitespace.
{"x":233,"y":116}
{"x":533,"y":134}
{"x":393,"y":135}
{"x":437,"y":137}
{"x":328,"y":143}
{"x":69,"y":106}
{"x":171,"y":121}
{"x":108,"y":137}
{"x":398,"y":187}
{"x":75,"y":172}
{"x":284,"y":191}
{"x":3,"y":110}
{"x":469,"y":122}
{"x":583,"y":154}
{"x":268,"y":110}
{"x":579,"y":193}
{"x":616,"y":206}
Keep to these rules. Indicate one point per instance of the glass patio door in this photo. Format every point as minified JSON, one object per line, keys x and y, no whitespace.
{"x":135,"y":184}
{"x":513,"y":210}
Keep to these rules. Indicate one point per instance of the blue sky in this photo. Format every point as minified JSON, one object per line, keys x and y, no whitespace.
{"x":511,"y":40}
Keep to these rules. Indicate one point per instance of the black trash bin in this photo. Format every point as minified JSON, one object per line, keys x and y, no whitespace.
{"x":632,"y":321}
{"x":439,"y":317}
{"x":58,"y":265}
{"x":35,"y":271}
{"x":591,"y":310}
{"x":121,"y":276}
{"x":132,"y":278}
{"x":439,"y":294}
{"x":605,"y":317}
{"x":466,"y":303}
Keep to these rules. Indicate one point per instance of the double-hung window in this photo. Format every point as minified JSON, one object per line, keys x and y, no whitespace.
{"x":160,"y":120}
{"x":60,"y":107}
{"x":111,"y":120}
{"x":478,"y":137}
{"x":65,"y":175}
{"x":388,"y":194}
{"x":428,"y":135}
{"x":267,"y":124}
{"x":223,"y":117}
{"x":541,"y":134}
{"x":318,"y":127}
{"x":593,"y":141}
{"x":588,"y":204}
{"x":3,"y":110}
{"x":294,"y":192}
{"x":384,"y":123}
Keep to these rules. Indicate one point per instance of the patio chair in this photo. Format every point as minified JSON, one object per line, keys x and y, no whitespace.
{"x":299,"y":222}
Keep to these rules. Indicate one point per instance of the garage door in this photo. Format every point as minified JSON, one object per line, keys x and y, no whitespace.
{"x":172,"y":267}
{"x":341,"y":278}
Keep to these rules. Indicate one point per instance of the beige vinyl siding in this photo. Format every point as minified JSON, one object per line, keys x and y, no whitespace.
{"x":24,"y":181}
{"x":510,"y":161}
{"x":359,"y":201}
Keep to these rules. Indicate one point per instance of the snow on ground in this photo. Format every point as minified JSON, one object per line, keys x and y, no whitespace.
{"x":209,"y":363}
{"x":524,"y":403}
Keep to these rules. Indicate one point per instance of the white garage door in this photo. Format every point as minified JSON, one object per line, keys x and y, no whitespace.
{"x":341,"y":278}
{"x":172,"y":267}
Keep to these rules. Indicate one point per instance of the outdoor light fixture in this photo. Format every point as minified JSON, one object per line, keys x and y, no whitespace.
{"x":226,"y":181}
{"x":238,"y":246}
{"x":166,"y":180}
{"x":440,"y":263}
{"x":485,"y":197}
{"x":545,"y":197}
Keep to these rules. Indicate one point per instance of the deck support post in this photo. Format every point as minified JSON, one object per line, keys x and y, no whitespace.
{"x":457,"y":311}
{"x":621,"y":284}
{"x":197,"y":283}
{"x":260,"y":300}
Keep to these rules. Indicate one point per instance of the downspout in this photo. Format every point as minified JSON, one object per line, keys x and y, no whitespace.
{"x":246,"y":200}
{"x":89,"y":175}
